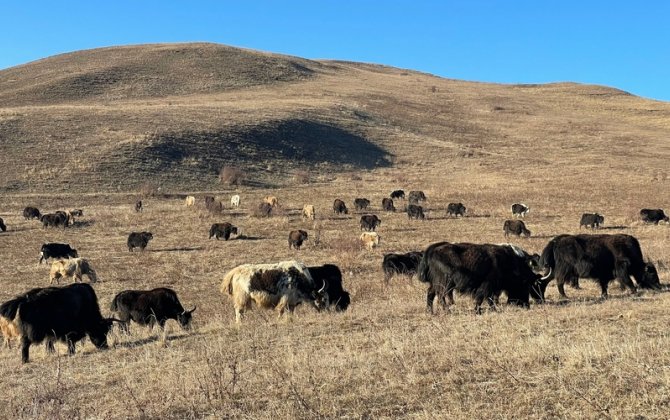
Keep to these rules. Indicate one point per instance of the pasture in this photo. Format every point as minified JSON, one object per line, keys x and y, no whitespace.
{"x":382,"y":358}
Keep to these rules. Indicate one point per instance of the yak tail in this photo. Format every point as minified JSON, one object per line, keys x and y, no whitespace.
{"x":547,"y":258}
{"x":9,"y":308}
{"x":424,"y":268}
{"x":227,"y":283}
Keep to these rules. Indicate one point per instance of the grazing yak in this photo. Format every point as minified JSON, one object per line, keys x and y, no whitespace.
{"x":404,"y":264}
{"x":339,"y":207}
{"x":56,"y":250}
{"x":296,"y":238}
{"x":415,"y":212}
{"x":387,"y":204}
{"x":235,"y":201}
{"x":398,"y":194}
{"x":31,"y":213}
{"x":9,"y":330}
{"x":74,"y":268}
{"x":67,"y":314}
{"x":3,"y":227}
{"x":264,"y":210}
{"x":281,"y":286}
{"x":189,"y":201}
{"x":568,"y":258}
{"x":54,"y":219}
{"x":271,"y":200}
{"x":456,"y":209}
{"x":214,"y":206}
{"x":592,"y":220}
{"x":138,"y":206}
{"x":67,"y":216}
{"x":515,"y":227}
{"x":218,"y":230}
{"x":361,"y":203}
{"x":150,"y":307}
{"x":520,"y":210}
{"x":139,"y":240}
{"x":209,"y":200}
{"x":482,"y":271}
{"x":370,"y":240}
{"x":331,"y":275}
{"x":653,"y":216}
{"x":369,"y":222}
{"x":308,"y":212}
{"x":416,"y":196}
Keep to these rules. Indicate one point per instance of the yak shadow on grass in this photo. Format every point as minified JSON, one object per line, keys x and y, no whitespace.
{"x":180,"y":249}
{"x":236,"y":214}
{"x":149,"y":340}
{"x":338,"y":218}
{"x":247,"y":238}
{"x":641,"y":295}
{"x":82,"y":224}
{"x":620,"y":227}
{"x":11,"y":230}
{"x":550,"y":236}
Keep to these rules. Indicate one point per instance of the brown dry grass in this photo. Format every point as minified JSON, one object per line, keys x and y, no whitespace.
{"x":562,"y":149}
{"x":383,"y":358}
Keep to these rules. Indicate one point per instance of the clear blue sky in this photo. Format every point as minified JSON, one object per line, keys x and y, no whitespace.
{"x":624,"y":44}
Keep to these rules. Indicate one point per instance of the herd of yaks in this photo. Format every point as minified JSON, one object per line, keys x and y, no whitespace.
{"x":484,"y":271}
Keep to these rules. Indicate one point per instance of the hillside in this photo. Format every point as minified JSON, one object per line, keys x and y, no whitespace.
{"x":115,"y":119}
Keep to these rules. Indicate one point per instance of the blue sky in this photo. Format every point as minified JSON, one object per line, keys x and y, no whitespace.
{"x":623,"y":44}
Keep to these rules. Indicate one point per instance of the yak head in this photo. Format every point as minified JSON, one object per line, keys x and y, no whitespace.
{"x":650,"y":278}
{"x":537,"y":289}
{"x":98,"y":335}
{"x":185,"y":317}
{"x":320,"y":297}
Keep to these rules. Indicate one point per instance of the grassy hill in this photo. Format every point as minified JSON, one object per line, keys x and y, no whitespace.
{"x":115,"y":119}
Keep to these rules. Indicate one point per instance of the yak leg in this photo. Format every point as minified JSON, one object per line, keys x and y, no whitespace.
{"x":478,"y":304}
{"x":70,"y":347}
{"x":282,"y":306}
{"x":25,"y":349}
{"x":429,"y":299}
{"x":560,"y":282}
{"x":163,"y":331}
{"x":603,"y":288}
{"x":238,"y":315}
{"x":50,"y":346}
{"x":125,"y":326}
{"x":623,"y":275}
{"x":574,"y":282}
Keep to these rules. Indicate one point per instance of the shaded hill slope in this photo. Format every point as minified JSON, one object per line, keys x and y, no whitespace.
{"x":173,"y":115}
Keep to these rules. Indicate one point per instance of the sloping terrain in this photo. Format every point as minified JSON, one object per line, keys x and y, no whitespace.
{"x":173,"y":115}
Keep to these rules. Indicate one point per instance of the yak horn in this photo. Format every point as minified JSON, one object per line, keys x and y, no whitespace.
{"x":548,"y":276}
{"x":191,"y":311}
{"x":322,"y":288}
{"x":114,"y":319}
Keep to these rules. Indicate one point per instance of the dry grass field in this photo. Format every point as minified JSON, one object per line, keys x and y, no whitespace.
{"x":98,"y":129}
